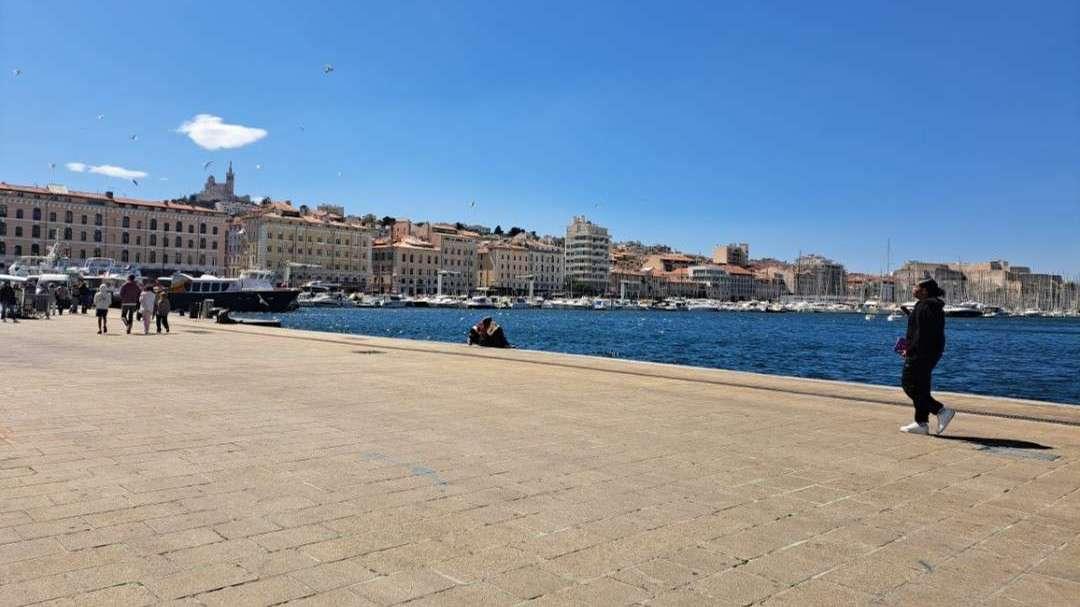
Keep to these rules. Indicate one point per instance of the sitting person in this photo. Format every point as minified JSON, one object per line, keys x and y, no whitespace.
{"x":488,"y":334}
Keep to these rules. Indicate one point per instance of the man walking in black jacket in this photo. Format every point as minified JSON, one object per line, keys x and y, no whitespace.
{"x":925,"y":345}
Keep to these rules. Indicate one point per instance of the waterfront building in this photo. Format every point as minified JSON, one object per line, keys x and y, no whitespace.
{"x":817,"y":277}
{"x":504,"y":268}
{"x":313,"y":245}
{"x":587,"y":256}
{"x":458,"y":255}
{"x":732,"y":254}
{"x":161,"y":237}
{"x":545,"y":263}
{"x":408,"y":266}
{"x":724,"y":281}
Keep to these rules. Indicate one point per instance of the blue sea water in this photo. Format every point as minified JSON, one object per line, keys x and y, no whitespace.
{"x":1033,"y":358}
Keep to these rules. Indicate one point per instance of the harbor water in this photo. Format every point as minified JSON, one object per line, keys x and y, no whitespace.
{"x":1031,"y":358}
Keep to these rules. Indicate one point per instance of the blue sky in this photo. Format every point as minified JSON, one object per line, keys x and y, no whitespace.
{"x":952,"y":129}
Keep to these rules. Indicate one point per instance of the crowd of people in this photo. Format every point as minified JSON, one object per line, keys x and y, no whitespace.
{"x":36,"y":298}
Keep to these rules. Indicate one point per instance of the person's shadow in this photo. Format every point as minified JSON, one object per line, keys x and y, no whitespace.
{"x":1007,"y":443}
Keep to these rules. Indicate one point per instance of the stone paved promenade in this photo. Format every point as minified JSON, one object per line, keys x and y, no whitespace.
{"x":241,"y":466}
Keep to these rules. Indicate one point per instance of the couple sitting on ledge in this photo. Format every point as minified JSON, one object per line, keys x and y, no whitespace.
{"x":488,"y":334}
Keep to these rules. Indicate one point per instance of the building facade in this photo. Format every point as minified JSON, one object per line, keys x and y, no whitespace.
{"x":504,"y":268}
{"x":409,"y":266}
{"x":587,"y":256}
{"x":310,"y":245}
{"x":733,"y":254}
{"x":160,"y":237}
{"x":545,"y":263}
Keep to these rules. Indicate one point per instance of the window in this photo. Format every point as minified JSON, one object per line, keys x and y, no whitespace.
{"x":3,"y":210}
{"x":37,"y":217}
{"x":190,"y":244}
{"x":97,"y":219}
{"x":97,"y":252}
{"x":191,"y":228}
{"x":97,"y":238}
{"x":153,"y":240}
{"x":125,"y":222}
{"x":69,"y":217}
{"x":124,"y":256}
{"x":179,"y":227}
{"x":18,"y":250}
{"x":125,"y":238}
{"x":153,"y":257}
{"x":18,"y":215}
{"x":176,"y":242}
{"x":214,"y":231}
{"x":202,"y":243}
{"x":213,"y":245}
{"x":3,"y":248}
{"x":35,"y":232}
{"x":35,"y":249}
{"x":82,"y":236}
{"x":138,"y":240}
{"x":84,"y":219}
{"x":165,"y":225}
{"x":137,"y":260}
{"x":164,"y":258}
{"x":82,"y":253}
{"x":202,"y":228}
{"x":202,"y":260}
{"x":52,"y":216}
{"x":3,"y":229}
{"x":153,"y":224}
{"x":189,"y":260}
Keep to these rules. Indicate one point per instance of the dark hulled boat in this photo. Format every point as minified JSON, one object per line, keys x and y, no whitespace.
{"x":253,"y":291}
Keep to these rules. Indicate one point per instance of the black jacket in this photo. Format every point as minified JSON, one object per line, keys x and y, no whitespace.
{"x":493,"y":337}
{"x":7,"y":294}
{"x":926,"y":331}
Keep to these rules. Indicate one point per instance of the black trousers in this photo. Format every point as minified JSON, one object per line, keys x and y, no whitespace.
{"x":127,"y":315}
{"x":162,"y":321}
{"x":916,"y":383}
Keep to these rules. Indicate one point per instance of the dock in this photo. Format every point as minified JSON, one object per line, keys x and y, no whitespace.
{"x":238,"y":465}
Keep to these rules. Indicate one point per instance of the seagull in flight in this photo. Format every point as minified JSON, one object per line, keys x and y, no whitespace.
{"x":206,"y":165}
{"x":135,"y":182}
{"x":326,"y":69}
{"x":258,"y":167}
{"x":101,"y":116}
{"x":134,"y":138}
{"x":17,"y":72}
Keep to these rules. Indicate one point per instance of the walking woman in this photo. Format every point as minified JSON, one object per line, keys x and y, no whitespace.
{"x":102,"y":301}
{"x":163,"y":309}
{"x":147,"y":305}
{"x":925,"y":345}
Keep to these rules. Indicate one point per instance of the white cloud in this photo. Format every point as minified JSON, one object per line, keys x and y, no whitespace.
{"x":119,"y":172}
{"x":209,"y":132}
{"x":105,"y":169}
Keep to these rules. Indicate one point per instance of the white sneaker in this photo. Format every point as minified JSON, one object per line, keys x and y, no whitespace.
{"x":915,"y":428}
{"x":943,"y":418}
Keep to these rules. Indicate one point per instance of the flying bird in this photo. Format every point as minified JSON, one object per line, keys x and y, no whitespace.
{"x":134,"y":137}
{"x":206,"y":165}
{"x":472,"y":204}
{"x":339,"y":173}
{"x":135,"y":182}
{"x":101,"y":116}
{"x":301,"y":127}
{"x":52,"y":165}
{"x":326,"y":69}
{"x":258,"y":167}
{"x":17,"y":72}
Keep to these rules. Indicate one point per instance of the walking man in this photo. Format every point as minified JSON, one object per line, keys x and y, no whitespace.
{"x":129,"y":302}
{"x":7,"y":303}
{"x":925,"y":345}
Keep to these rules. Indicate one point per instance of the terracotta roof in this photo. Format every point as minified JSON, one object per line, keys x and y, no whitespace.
{"x":163,"y":204}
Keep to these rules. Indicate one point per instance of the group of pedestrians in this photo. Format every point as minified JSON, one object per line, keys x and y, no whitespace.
{"x":136,"y":303}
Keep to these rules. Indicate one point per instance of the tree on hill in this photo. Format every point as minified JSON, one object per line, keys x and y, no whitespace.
{"x":498,"y":231}
{"x":387,"y":221}
{"x":514,"y":231}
